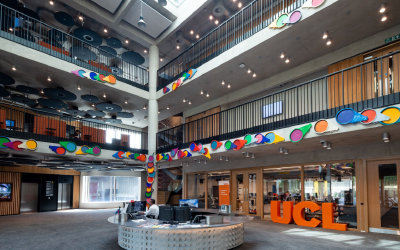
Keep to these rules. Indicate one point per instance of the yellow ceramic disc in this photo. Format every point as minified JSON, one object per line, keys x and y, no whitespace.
{"x":393,"y":113}
{"x":31,"y":144}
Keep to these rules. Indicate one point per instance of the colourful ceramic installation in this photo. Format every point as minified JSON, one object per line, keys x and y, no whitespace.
{"x":3,"y":140}
{"x":323,"y":126}
{"x":393,"y":113}
{"x":239,"y":144}
{"x":313,"y":3}
{"x":29,"y":145}
{"x":207,"y":153}
{"x":68,"y":145}
{"x":293,"y":17}
{"x":347,"y":116}
{"x":58,"y":150}
{"x":95,"y":76}
{"x":215,"y":145}
{"x":273,"y":138}
{"x":261,"y":139}
{"x":298,"y":134}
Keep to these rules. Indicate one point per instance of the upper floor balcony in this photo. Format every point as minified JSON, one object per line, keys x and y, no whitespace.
{"x":370,"y":83}
{"x":47,"y":125}
{"x":253,"y":18}
{"x":28,"y":31}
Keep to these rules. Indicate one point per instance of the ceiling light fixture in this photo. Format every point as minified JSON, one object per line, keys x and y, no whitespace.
{"x":51,"y":3}
{"x":240,"y":5}
{"x":249,"y":71}
{"x":220,"y":158}
{"x":144,"y":107}
{"x":286,"y":151}
{"x":126,"y":41}
{"x":329,"y":146}
{"x":247,"y":155}
{"x":281,"y":150}
{"x":190,"y":102}
{"x":145,"y":51}
{"x":159,"y":111}
{"x":282,"y":55}
{"x":49,"y":78}
{"x":104,"y":95}
{"x":141,"y":22}
{"x":126,"y":101}
{"x":216,"y":22}
{"x":201,"y":92}
{"x":168,"y":107}
{"x":199,"y":161}
{"x":161,"y":59}
{"x":254,"y":74}
{"x":211,"y":17}
{"x":14,"y":68}
{"x":329,"y":42}
{"x":382,"y":8}
{"x":79,"y":87}
{"x":229,"y":85}
{"x":197,"y":36}
{"x":386,"y":137}
{"x":105,"y":30}
{"x":208,"y":95}
{"x":383,"y":18}
{"x":11,"y":29}
{"x":184,"y":100}
{"x":187,"y":164}
{"x":253,"y":156}
{"x":41,"y":91}
{"x":226,"y":158}
{"x":287,"y":60}
{"x":205,"y":161}
{"x":80,"y":18}
{"x":223,"y":82}
{"x":93,"y":105}
{"x":145,"y":118}
{"x":325,"y":35}
{"x":325,"y":144}
{"x":191,"y":32}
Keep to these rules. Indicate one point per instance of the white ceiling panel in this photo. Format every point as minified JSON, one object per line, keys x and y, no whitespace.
{"x":110,"y":5}
{"x":155,"y":22}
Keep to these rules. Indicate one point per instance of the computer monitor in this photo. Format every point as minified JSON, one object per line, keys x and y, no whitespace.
{"x":189,"y":203}
{"x":139,"y":206}
{"x":166,"y":213}
{"x":182,"y":214}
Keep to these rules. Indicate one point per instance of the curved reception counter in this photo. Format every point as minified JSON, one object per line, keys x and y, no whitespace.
{"x":149,"y":234}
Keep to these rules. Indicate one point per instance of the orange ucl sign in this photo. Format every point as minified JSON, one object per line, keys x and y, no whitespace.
{"x":297,"y":214}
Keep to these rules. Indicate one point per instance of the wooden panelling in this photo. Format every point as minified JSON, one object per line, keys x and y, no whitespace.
{"x":50,"y":126}
{"x":196,"y":129}
{"x":11,"y":207}
{"x":37,"y":170}
{"x":95,"y":135}
{"x":49,"y":46}
{"x":75,"y":194}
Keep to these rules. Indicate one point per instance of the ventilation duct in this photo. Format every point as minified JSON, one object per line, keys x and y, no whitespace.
{"x":220,"y":9}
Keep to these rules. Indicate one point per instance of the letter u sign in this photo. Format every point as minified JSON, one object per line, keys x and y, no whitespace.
{"x":297,"y":214}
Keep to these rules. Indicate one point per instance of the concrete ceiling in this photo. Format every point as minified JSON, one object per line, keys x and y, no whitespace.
{"x":36,"y":77}
{"x":353,"y":21}
{"x":111,"y":6}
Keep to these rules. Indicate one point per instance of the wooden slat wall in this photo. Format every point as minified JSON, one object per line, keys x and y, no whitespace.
{"x":202,"y":129}
{"x":7,"y":208}
{"x":37,"y":170}
{"x":98,"y":135}
{"x":76,"y":192}
{"x":41,"y":124}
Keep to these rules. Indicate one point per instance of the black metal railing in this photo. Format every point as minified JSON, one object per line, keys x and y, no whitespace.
{"x":22,"y":29}
{"x":254,"y":17}
{"x":30,"y":123}
{"x":372,"y":84}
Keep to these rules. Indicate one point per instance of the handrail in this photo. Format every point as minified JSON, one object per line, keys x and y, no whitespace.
{"x":25,"y":35}
{"x":31,"y":123}
{"x":263,"y":9}
{"x":315,"y":99}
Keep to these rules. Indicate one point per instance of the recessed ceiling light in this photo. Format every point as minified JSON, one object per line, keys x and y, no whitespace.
{"x":287,"y":60}
{"x":197,"y":36}
{"x":126,"y":41}
{"x":383,"y":18}
{"x":211,"y":17}
{"x":382,"y":8}
{"x":177,"y":47}
{"x":161,"y":59}
{"x":159,"y":111}
{"x":216,"y":22}
{"x":51,"y":3}
{"x":184,"y":100}
{"x":325,"y":35}
{"x":92,"y":104}
{"x":137,"y":110}
{"x":41,"y":91}
{"x":190,"y":102}
{"x":145,"y":51}
{"x":240,"y":5}
{"x":191,"y":32}
{"x":201,"y":92}
{"x":144,"y":107}
{"x":105,"y":30}
{"x":104,"y":95}
{"x":208,"y":95}
{"x":167,"y":107}
{"x":126,"y":101}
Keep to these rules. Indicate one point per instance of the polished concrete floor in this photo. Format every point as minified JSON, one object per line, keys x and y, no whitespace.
{"x":89,"y":229}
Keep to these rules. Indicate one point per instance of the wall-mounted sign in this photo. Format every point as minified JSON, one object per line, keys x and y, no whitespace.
{"x":272,"y":109}
{"x":95,"y":76}
{"x":49,"y":188}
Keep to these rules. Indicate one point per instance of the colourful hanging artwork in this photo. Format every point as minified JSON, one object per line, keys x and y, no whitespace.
{"x":179,"y":82}
{"x":215,"y":145}
{"x":68,"y":145}
{"x":239,"y":144}
{"x":323,"y":126}
{"x":347,"y":116}
{"x":95,"y":76}
{"x":273,"y":138}
{"x":58,"y":150}
{"x":298,"y":134}
{"x":293,"y":17}
{"x":393,"y":113}
{"x":83,"y":150}
{"x":29,"y":145}
{"x":207,"y":153}
{"x":119,"y":155}
{"x":261,"y":139}
{"x":313,"y":3}
{"x":193,"y":147}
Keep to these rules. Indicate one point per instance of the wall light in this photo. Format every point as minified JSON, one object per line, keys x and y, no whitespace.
{"x":247,"y":155}
{"x":93,"y":105}
{"x":253,"y":156}
{"x":126,"y":101}
{"x":286,"y":151}
{"x":161,"y":59}
{"x":51,"y":3}
{"x":199,"y":161}
{"x":159,"y":111}
{"x":325,"y":144}
{"x":281,"y":150}
{"x":205,"y":161}
{"x":329,"y":146}
{"x":126,"y":41}
{"x":145,"y":51}
{"x":386,"y":137}
{"x":144,"y":107}
{"x":104,"y":95}
{"x":41,"y":91}
{"x":105,"y":30}
{"x":80,"y":18}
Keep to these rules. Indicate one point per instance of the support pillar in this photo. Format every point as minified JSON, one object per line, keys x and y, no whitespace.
{"x":153,"y":110}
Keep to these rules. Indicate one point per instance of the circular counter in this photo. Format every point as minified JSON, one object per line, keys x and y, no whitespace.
{"x":149,"y":234}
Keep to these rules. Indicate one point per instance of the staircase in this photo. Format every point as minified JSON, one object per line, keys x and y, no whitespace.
{"x":162,"y":197}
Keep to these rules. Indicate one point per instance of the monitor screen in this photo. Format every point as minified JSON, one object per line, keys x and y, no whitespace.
{"x":5,"y":191}
{"x":182,"y":214}
{"x":166,"y":213}
{"x":189,"y":203}
{"x":10,"y":123}
{"x":139,"y":206}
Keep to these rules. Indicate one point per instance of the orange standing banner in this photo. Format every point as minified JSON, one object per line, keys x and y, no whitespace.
{"x":224,"y":193}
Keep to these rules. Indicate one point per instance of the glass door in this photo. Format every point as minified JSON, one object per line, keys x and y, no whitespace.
{"x":245,"y":187}
{"x":383,"y":195}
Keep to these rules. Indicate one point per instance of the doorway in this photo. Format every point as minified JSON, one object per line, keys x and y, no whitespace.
{"x":246,"y":185}
{"x":29,"y":197}
{"x":64,"y":196}
{"x":383,"y":196}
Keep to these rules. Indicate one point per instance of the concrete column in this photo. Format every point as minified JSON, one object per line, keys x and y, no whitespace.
{"x":153,"y":109}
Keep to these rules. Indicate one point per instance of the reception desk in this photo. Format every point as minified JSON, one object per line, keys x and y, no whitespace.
{"x":150,"y":234}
